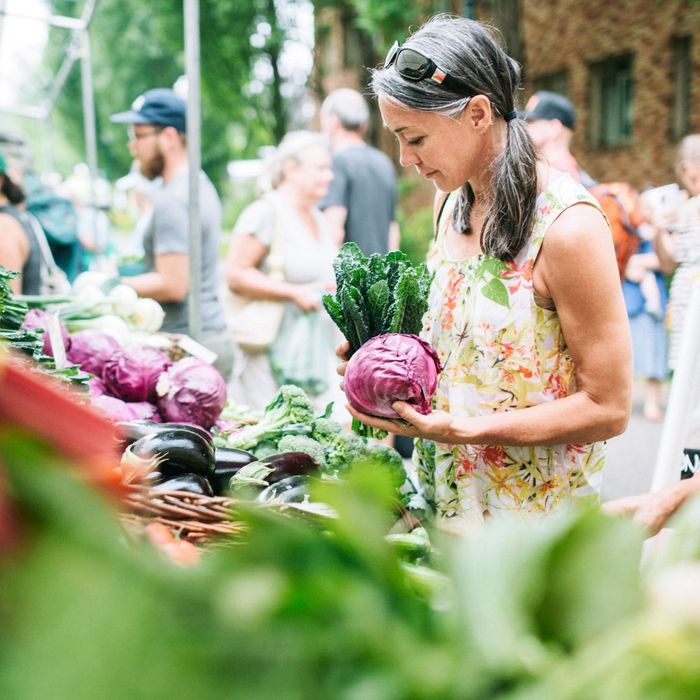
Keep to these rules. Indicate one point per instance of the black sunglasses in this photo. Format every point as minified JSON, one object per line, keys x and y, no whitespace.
{"x":414,"y":66}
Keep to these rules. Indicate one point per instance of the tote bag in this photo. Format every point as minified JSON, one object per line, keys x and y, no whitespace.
{"x":301,"y":353}
{"x":255,"y":323}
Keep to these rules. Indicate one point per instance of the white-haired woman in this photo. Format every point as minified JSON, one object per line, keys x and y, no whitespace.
{"x":299,"y":173}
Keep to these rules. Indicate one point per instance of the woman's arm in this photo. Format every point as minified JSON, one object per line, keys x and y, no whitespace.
{"x":14,"y":248}
{"x":243,"y":276}
{"x":577,"y":269}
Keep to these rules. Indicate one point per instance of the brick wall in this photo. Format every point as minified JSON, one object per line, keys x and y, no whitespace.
{"x":570,"y":34}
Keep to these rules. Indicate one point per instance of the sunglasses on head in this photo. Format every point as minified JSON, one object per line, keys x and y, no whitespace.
{"x":414,"y":66}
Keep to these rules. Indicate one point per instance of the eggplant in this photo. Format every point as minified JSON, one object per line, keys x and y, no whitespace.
{"x":192,"y":483}
{"x":134,"y":430}
{"x":187,"y":426}
{"x":177,"y":451}
{"x":292,"y":489}
{"x":287,"y":464}
{"x":228,"y":461}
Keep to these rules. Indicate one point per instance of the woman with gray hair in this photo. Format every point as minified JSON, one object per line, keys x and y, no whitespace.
{"x":525,"y":308}
{"x":280,"y":250}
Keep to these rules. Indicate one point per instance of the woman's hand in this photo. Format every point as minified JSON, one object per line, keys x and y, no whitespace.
{"x":437,"y":426}
{"x":342,"y":352}
{"x":306,"y":296}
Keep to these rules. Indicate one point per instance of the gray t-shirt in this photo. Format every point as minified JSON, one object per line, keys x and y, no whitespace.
{"x":364,"y":183}
{"x":167,"y":232}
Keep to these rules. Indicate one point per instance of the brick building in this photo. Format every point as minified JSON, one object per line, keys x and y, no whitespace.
{"x":631,"y":68}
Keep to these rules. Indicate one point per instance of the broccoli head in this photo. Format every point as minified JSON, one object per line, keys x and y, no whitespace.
{"x":303,"y":443}
{"x":326,"y":431}
{"x":345,"y":450}
{"x":289,"y":406}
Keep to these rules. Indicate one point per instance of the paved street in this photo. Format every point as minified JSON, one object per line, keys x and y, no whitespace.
{"x":632,"y":455}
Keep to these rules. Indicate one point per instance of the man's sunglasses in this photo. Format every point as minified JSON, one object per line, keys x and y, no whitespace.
{"x":414,"y":66}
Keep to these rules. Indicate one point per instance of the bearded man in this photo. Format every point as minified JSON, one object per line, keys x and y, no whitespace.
{"x":158,"y":141}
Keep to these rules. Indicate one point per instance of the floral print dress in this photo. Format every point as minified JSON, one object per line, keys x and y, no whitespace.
{"x":501,"y":349}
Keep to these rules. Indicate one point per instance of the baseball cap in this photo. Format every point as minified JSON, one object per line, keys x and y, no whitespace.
{"x":550,"y":105}
{"x":160,"y":106}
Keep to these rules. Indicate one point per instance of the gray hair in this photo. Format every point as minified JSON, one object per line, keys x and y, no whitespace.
{"x":292,"y":148}
{"x":688,"y":152}
{"x":350,"y":108}
{"x":468,"y":50}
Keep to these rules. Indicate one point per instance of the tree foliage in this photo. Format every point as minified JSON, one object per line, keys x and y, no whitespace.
{"x":137,"y":46}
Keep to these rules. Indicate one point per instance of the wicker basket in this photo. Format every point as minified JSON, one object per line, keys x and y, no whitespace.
{"x":190,"y":516}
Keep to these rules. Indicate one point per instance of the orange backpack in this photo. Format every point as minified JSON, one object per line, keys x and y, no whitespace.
{"x":621,"y":205}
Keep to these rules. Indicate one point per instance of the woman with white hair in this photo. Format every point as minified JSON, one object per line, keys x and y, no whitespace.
{"x":286,"y":219}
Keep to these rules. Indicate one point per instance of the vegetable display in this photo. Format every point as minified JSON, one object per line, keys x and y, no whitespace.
{"x":392,"y":367}
{"x":376,"y":295}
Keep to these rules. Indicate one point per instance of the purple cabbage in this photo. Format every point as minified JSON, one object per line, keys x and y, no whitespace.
{"x":132,"y":372}
{"x":38,"y":320}
{"x":91,"y":349}
{"x":119,"y":410}
{"x":191,"y":391}
{"x":392,"y":367}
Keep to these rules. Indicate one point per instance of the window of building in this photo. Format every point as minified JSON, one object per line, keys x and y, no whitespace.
{"x":611,"y":102}
{"x":554,"y":82}
{"x":681,"y":87}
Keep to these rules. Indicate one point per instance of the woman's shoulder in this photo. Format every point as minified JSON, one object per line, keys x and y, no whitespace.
{"x":257,"y":218}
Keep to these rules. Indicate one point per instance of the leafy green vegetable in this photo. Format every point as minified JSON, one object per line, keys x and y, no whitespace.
{"x":376,"y":295}
{"x":29,"y":342}
{"x":290,"y":406}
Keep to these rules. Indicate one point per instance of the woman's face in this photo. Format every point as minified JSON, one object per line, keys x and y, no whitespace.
{"x":446,"y":150}
{"x":312,"y":174}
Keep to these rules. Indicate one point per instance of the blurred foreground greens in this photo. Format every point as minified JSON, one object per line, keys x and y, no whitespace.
{"x":550,"y":610}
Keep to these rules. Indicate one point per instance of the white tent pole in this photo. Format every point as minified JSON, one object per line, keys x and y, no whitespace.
{"x":191,"y":11}
{"x":682,"y":399}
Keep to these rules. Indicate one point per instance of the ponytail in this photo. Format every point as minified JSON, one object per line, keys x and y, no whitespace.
{"x":13,"y":192}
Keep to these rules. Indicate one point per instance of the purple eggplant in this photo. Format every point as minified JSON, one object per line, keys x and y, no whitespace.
{"x":228,"y":461}
{"x":287,"y":464}
{"x":175,"y":452}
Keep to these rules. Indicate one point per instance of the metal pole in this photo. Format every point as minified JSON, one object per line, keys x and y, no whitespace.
{"x":191,"y":10}
{"x":90,"y":131}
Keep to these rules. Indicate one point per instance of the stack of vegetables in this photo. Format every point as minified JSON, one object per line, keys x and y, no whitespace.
{"x":378,"y":306}
{"x":277,"y":458}
{"x":131,"y":379}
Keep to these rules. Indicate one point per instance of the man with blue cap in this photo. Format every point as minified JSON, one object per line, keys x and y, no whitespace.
{"x":157,"y":140}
